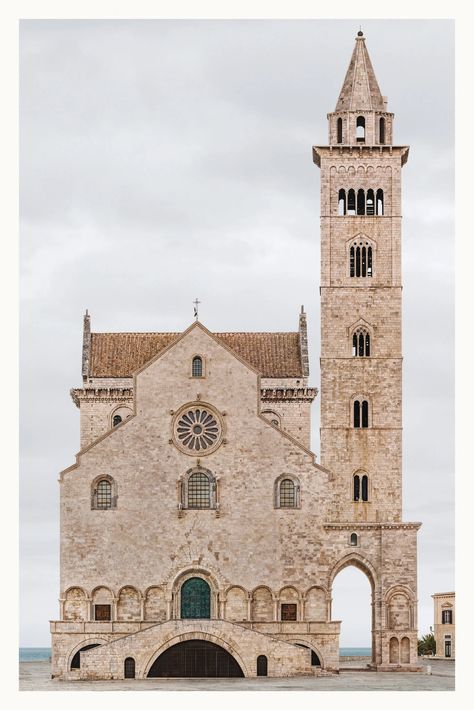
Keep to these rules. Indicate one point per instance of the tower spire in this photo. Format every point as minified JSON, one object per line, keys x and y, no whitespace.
{"x":360,"y":90}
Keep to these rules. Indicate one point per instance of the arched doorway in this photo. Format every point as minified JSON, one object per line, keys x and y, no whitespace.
{"x":129,"y":668}
{"x":353,"y":603}
{"x":195,"y":659}
{"x":76,"y":659}
{"x":315,"y":660}
{"x":195,"y":599}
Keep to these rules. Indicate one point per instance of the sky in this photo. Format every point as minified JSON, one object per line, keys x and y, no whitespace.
{"x":166,"y":160}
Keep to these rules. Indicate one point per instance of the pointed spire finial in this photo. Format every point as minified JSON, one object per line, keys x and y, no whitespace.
{"x":360,"y":90}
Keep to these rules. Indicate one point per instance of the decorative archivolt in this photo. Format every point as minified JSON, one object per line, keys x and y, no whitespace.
{"x":354,"y":559}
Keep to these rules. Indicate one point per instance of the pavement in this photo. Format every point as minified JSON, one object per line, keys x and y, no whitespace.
{"x":36,"y":675}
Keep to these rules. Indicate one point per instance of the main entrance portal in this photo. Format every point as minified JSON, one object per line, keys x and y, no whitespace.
{"x":195,"y":599}
{"x":195,"y":659}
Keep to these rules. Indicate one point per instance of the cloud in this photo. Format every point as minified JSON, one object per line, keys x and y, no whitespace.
{"x":164,"y":160}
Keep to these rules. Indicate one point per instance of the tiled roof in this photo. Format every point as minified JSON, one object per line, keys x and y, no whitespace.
{"x":120,"y":354}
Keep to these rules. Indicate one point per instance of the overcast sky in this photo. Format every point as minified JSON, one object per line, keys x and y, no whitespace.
{"x":164,"y":160}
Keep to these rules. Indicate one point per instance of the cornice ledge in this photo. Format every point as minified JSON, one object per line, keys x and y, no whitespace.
{"x":371,"y":526}
{"x":100,"y":394}
{"x":299,"y":393}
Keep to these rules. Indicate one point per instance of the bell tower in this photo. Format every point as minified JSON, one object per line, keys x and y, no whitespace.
{"x":361,"y":300}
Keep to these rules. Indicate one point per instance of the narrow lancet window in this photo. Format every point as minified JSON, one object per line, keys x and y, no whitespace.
{"x":361,"y":343}
{"x":351,"y":202}
{"x":356,"y":488}
{"x":360,"y":202}
{"x":380,"y":202}
{"x":364,"y":261}
{"x":356,"y":414}
{"x":382,"y":131}
{"x":370,"y":206}
{"x":360,"y":129}
{"x":352,"y":262}
{"x":354,"y":540}
{"x":365,"y":414}
{"x":341,"y":204}
{"x":365,"y":488}
{"x":369,"y":261}
{"x":339,"y":130}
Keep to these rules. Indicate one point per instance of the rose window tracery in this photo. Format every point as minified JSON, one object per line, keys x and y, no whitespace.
{"x":197,"y":429}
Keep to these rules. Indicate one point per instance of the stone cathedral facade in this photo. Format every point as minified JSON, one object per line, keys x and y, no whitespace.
{"x":200,"y":535}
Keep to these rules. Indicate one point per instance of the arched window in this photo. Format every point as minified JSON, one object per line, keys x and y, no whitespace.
{"x":129,"y":668}
{"x":354,"y":539}
{"x":341,"y":203}
{"x":351,"y":202}
{"x":361,"y":487}
{"x":380,"y":202}
{"x":199,"y":491}
{"x":197,"y":366}
{"x":262,"y":665}
{"x":361,"y":414}
{"x":119,"y":415}
{"x":370,"y":206}
{"x":382,"y":131}
{"x":360,"y":202}
{"x":360,"y":341}
{"x":360,"y":259}
{"x":360,"y":128}
{"x":339,"y":130}
{"x":287,"y":493}
{"x":103,"y":493}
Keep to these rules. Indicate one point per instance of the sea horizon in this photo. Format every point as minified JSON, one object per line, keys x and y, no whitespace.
{"x":28,"y":654}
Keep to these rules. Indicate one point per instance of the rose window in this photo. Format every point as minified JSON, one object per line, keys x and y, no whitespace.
{"x":197,"y":430}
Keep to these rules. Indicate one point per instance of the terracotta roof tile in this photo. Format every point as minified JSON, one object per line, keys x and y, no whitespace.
{"x":120,"y":354}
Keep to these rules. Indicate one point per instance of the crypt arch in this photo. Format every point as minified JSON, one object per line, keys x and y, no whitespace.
{"x":217,"y":639}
